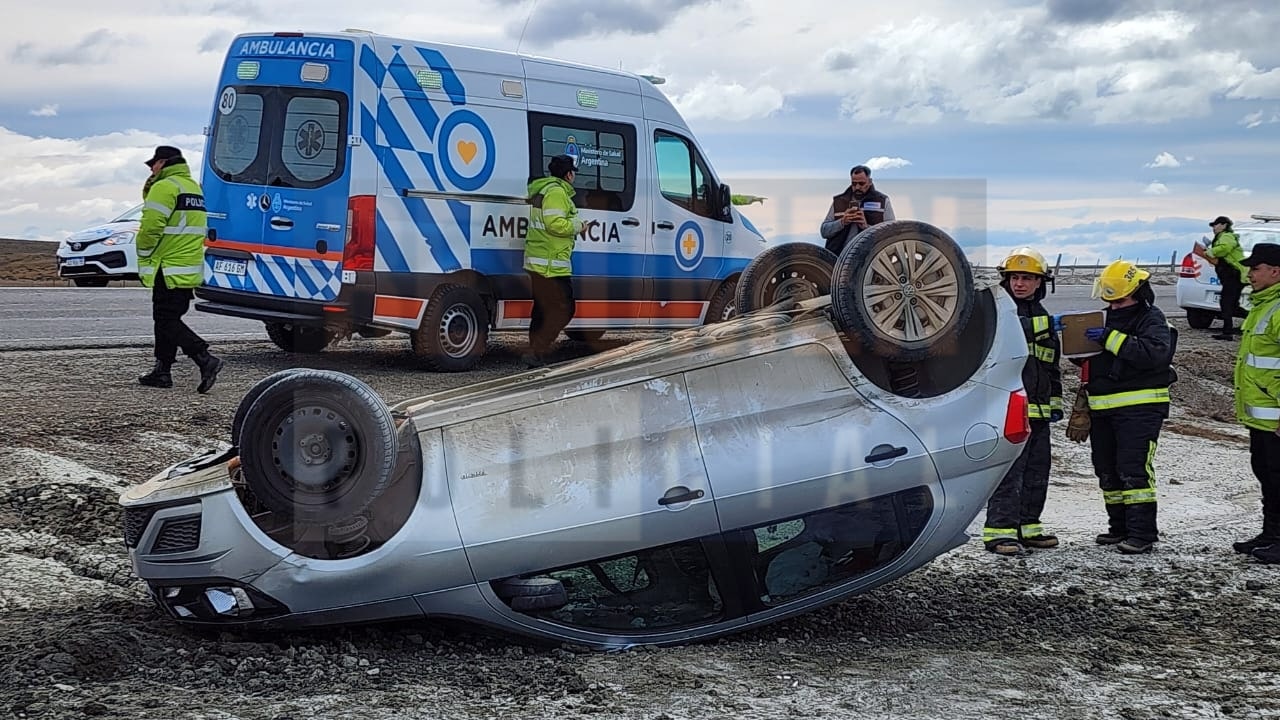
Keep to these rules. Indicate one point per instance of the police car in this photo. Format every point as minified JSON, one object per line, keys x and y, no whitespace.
{"x":669,"y":490}
{"x":97,"y":255}
{"x":364,"y":184}
{"x":1198,"y":288}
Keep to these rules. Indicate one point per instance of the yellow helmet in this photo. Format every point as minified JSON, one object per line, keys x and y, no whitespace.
{"x":1024,"y":260}
{"x":1118,"y":280}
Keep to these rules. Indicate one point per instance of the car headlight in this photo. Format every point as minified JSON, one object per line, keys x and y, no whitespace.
{"x":121,"y":238}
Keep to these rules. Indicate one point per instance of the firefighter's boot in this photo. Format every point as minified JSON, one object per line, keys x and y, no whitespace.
{"x":1270,"y":535}
{"x":1116,"y":532}
{"x":159,"y":376}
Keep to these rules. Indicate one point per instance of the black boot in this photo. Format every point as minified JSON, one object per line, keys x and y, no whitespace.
{"x":1270,"y":535}
{"x":1116,"y":532}
{"x":1269,"y":555}
{"x":209,"y":367}
{"x":1140,"y":523}
{"x":159,"y":376}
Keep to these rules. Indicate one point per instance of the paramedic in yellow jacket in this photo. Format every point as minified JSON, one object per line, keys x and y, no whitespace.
{"x":548,"y":253}
{"x":170,"y":247}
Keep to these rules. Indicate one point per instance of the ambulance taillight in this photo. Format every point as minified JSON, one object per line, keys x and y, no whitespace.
{"x":357,"y":253}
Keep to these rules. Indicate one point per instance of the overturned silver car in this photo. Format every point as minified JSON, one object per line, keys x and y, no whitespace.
{"x":843,"y":430}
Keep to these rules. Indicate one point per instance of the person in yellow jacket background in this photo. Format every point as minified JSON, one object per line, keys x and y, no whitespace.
{"x":1227,"y":258}
{"x":548,"y":256}
{"x":170,"y":246}
{"x":1128,"y":388}
{"x":1257,"y":385}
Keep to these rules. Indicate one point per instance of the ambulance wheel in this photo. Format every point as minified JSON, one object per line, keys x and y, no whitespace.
{"x":299,"y":338}
{"x":795,"y":271}
{"x":1200,"y":319}
{"x":903,"y":290}
{"x":586,"y":336}
{"x":255,"y":392}
{"x":318,"y":447}
{"x":91,"y":282}
{"x":723,"y":303}
{"x":454,"y":331}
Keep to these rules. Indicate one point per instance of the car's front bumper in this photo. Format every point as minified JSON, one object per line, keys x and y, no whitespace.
{"x":113,"y":263}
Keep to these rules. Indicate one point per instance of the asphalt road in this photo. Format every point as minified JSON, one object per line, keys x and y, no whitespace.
{"x":42,"y":318}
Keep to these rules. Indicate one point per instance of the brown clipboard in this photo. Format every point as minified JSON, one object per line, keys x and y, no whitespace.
{"x":1074,"y":342}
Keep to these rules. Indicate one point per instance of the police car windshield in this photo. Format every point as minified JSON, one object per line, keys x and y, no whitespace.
{"x":281,"y":137}
{"x":1252,"y":236}
{"x":134,"y":214}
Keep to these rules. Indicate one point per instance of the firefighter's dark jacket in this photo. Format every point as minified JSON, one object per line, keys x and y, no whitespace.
{"x":1041,"y":376}
{"x":1137,"y":365}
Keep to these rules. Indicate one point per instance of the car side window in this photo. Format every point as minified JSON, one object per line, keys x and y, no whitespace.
{"x":683,"y":177}
{"x":665,"y":587}
{"x":804,"y":555}
{"x":605,"y":153}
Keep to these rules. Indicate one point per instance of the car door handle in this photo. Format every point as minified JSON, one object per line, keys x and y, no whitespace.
{"x":883,"y":452}
{"x":281,"y":223}
{"x":684,"y":497}
{"x":631,"y":222}
{"x":666,"y":225}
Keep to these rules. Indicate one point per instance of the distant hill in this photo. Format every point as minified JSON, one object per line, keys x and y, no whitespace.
{"x":28,"y":262}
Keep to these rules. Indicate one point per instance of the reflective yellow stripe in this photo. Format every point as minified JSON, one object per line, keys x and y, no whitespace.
{"x":158,"y":208}
{"x":1030,"y":531}
{"x":1113,"y":497}
{"x":1042,"y":353}
{"x":1038,"y":412}
{"x":187,"y":230}
{"x":188,"y":270}
{"x":1055,"y":402}
{"x":1262,"y":363}
{"x":1139,"y":496}
{"x":553,"y":213}
{"x":1114,"y":341}
{"x":539,"y":262}
{"x":989,"y":534}
{"x":1039,"y":324}
{"x":1128,"y":399}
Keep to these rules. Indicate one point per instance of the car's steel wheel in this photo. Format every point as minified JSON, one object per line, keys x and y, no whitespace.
{"x":458,"y":330}
{"x":792,"y":271}
{"x":315,"y":448}
{"x":801,"y":282}
{"x":911,"y":290}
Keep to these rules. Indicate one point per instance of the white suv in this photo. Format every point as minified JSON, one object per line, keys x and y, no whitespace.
{"x":1198,"y":287}
{"x":95,"y":256}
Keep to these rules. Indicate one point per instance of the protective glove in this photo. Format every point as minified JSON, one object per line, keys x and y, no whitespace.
{"x":1055,"y":416}
{"x":1096,"y":334}
{"x":1078,"y":424}
{"x":1055,"y":322}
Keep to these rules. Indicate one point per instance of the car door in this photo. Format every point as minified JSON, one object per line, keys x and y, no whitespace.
{"x":687,"y":255}
{"x":595,"y":475}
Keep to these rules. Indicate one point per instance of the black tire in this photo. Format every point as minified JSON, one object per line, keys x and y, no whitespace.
{"x":255,"y":392}
{"x":914,"y":314}
{"x":454,"y":331}
{"x":299,"y":338}
{"x":539,"y":593}
{"x":1200,"y":319}
{"x":349,"y":441}
{"x":796,"y":270}
{"x":91,"y":282}
{"x":724,"y":302}
{"x":586,"y":336}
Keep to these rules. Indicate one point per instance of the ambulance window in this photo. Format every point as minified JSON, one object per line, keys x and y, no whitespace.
{"x":312,"y":139}
{"x":605,"y":153}
{"x":683,"y":177}
{"x":237,"y":134}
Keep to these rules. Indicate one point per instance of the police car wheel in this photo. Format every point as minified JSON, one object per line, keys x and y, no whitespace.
{"x":454,"y":331}
{"x":255,"y":392}
{"x":299,"y":338}
{"x":903,"y":290}
{"x":791,"y":271}
{"x":91,"y":282}
{"x":1199,"y":319}
{"x":317,"y":447}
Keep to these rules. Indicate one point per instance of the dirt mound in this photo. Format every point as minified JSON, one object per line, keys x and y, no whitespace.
{"x":27,"y":261}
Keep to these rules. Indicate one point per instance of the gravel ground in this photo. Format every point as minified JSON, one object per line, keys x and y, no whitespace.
{"x":1077,"y":632}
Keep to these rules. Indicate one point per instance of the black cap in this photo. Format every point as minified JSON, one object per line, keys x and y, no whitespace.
{"x":560,"y":166}
{"x":1264,"y":253}
{"x":1221,"y":219}
{"x":164,"y":152}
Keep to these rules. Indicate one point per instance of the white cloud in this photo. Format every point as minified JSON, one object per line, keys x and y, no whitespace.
{"x":714,"y":98}
{"x":1262,"y":86}
{"x":1233,"y":190}
{"x":1156,"y":188}
{"x":1164,"y":160}
{"x":45,"y":111}
{"x":1259,"y":117}
{"x":886,"y":163}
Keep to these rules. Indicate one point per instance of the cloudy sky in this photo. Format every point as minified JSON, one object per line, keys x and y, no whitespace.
{"x":1094,"y":128}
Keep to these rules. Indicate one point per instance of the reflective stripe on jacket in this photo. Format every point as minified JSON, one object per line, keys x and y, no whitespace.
{"x":1041,"y":375}
{"x":553,"y":228}
{"x":173,"y":228}
{"x":1136,"y":365}
{"x":1226,"y":246}
{"x":1257,"y":371}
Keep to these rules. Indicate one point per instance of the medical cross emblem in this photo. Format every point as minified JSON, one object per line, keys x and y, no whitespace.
{"x":689,"y":245}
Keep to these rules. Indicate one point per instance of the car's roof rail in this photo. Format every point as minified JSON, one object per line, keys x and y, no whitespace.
{"x":1266,"y":218}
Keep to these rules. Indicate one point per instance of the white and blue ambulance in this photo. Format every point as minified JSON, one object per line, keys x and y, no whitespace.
{"x":363,"y":184}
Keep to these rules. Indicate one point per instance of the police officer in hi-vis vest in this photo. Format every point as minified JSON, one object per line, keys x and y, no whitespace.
{"x":548,"y":255}
{"x":170,"y":246}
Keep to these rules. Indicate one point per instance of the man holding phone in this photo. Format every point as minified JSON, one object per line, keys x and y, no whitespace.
{"x":854,"y":210}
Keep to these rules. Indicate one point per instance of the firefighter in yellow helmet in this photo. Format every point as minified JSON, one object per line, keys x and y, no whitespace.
{"x":1013,"y":512}
{"x":1128,"y":390}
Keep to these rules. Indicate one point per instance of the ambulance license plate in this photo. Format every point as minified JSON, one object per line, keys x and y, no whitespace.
{"x":230,"y":267}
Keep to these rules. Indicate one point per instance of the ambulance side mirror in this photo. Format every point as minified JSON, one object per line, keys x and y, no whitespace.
{"x":725,"y":202}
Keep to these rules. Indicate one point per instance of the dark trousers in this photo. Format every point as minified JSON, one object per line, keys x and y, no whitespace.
{"x":1264,"y":456}
{"x":553,"y":308}
{"x":1014,"y":509}
{"x":1229,"y":300}
{"x":168,"y":305}
{"x":1123,"y":442}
